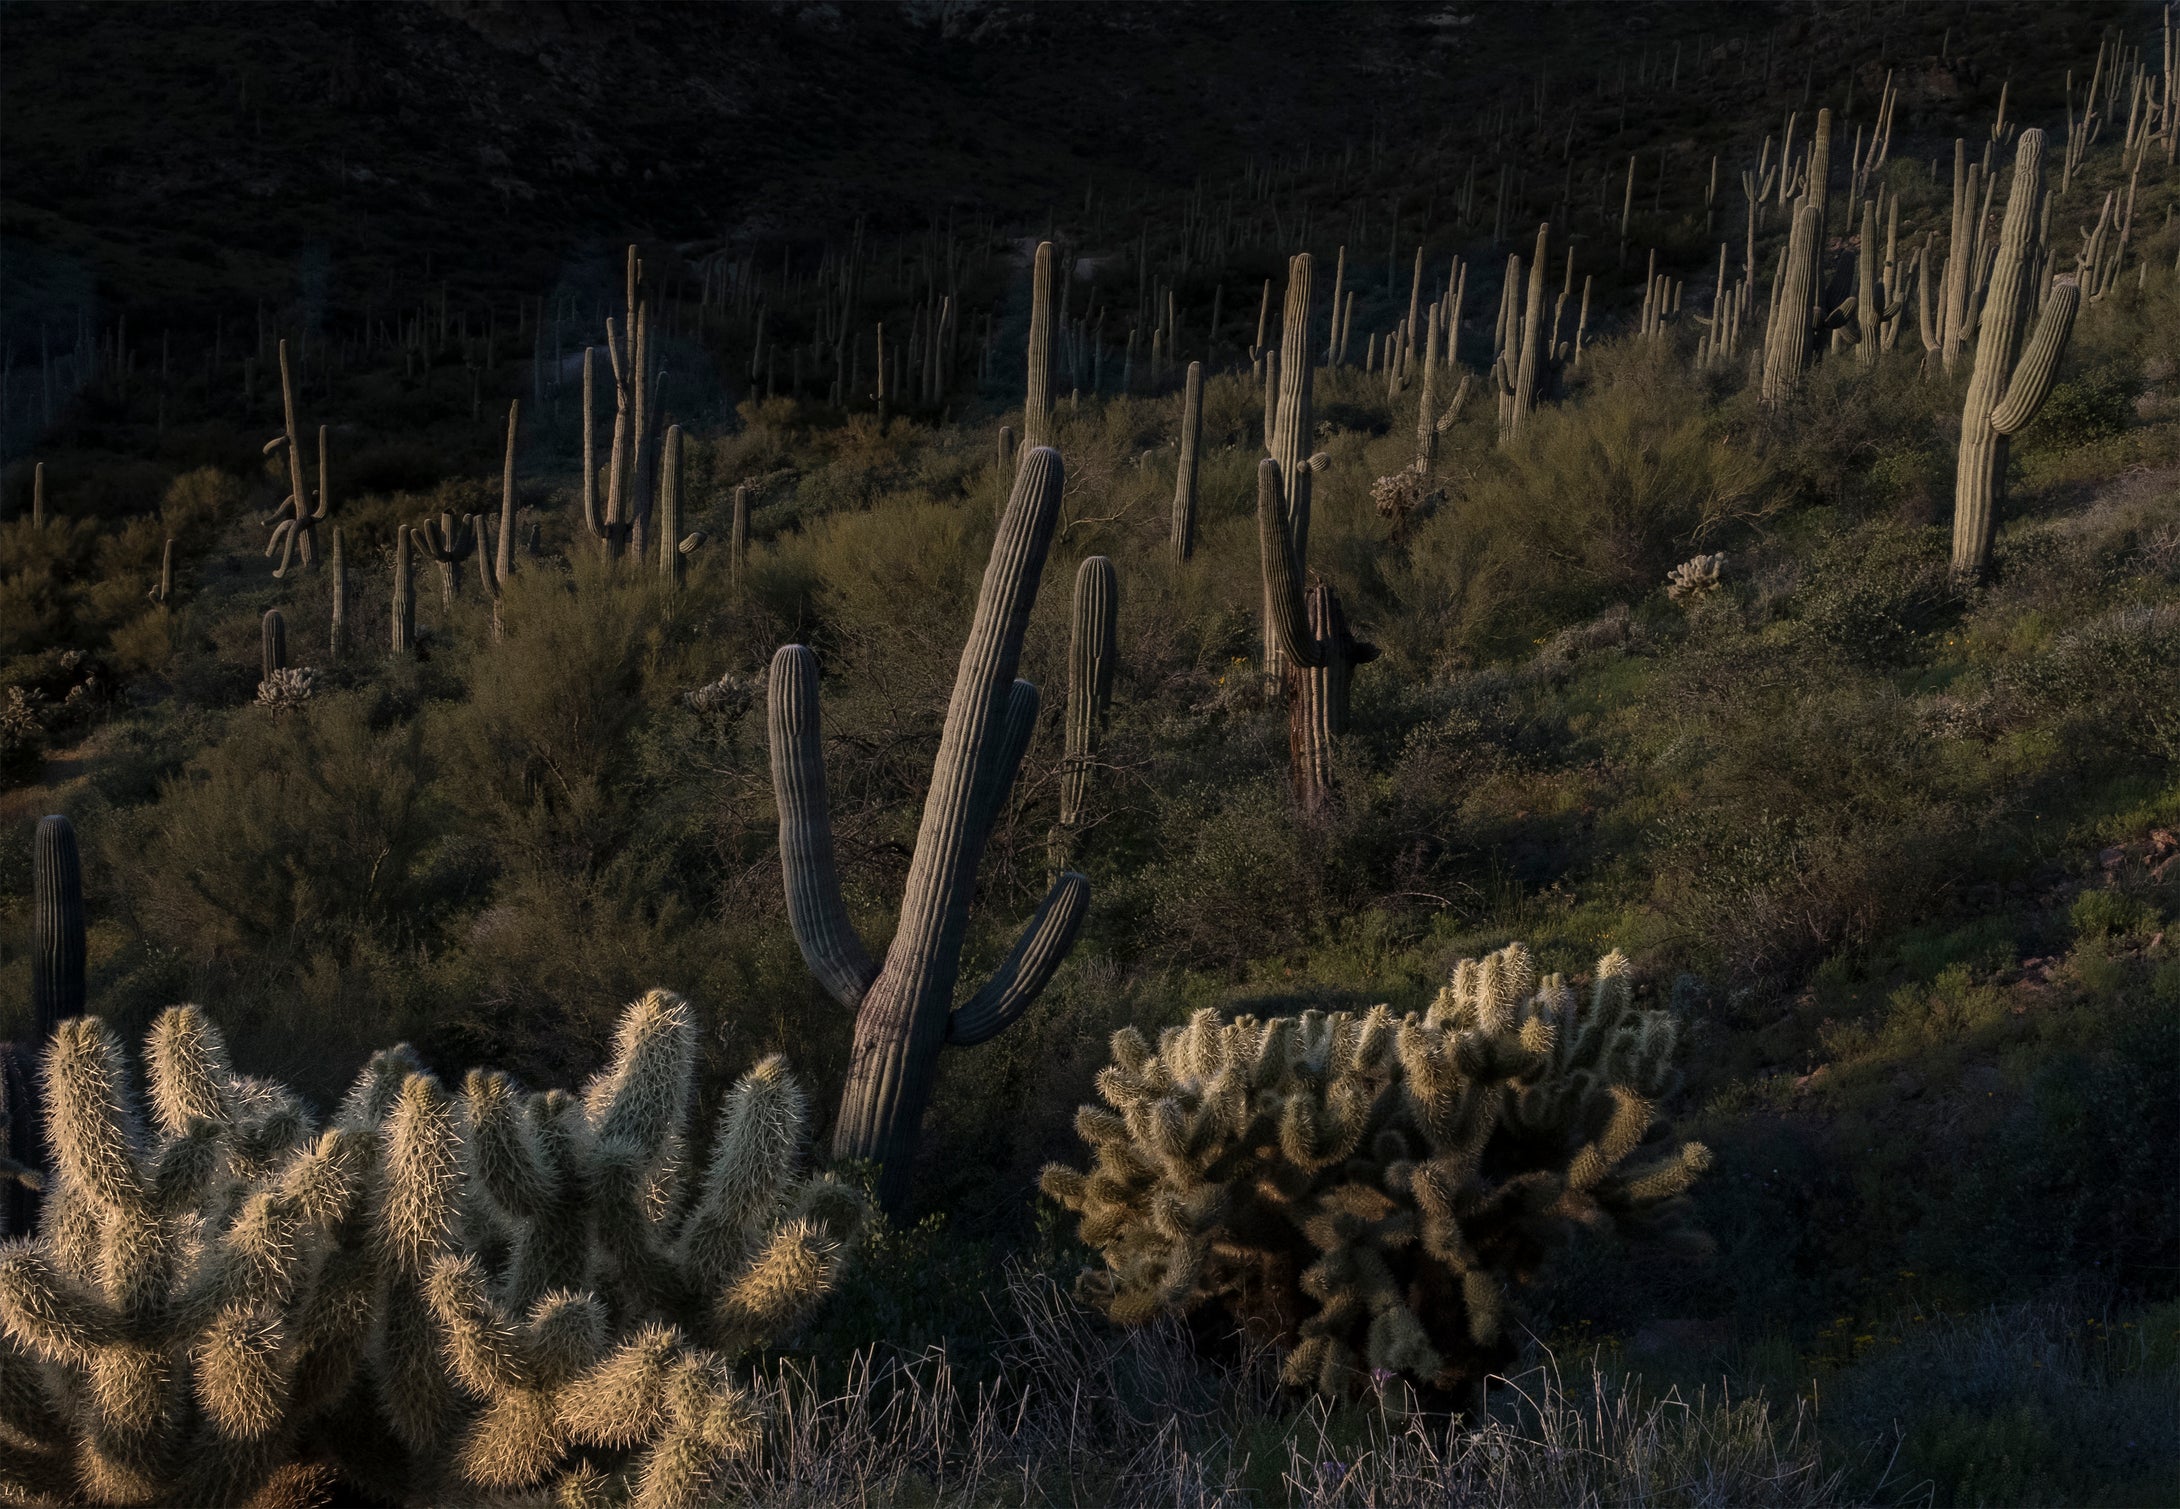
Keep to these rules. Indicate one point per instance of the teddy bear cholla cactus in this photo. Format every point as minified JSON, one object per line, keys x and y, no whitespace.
{"x":1696,"y":578}
{"x":1363,"y":1188}
{"x":439,"y":1297}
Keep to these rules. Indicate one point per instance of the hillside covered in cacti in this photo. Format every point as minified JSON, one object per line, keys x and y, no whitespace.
{"x":978,"y":753}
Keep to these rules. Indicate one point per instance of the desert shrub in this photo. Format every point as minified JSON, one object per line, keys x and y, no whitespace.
{"x":2114,"y":679}
{"x":293,"y":834}
{"x":2095,"y":406}
{"x":1870,"y":593}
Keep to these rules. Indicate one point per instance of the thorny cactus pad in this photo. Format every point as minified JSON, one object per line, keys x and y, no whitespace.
{"x":1366,"y":1190}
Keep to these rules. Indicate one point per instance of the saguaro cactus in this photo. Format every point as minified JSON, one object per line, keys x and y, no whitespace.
{"x":56,"y":926}
{"x":610,"y":527}
{"x":339,"y":626}
{"x":1796,"y":316}
{"x":295,"y":521}
{"x":905,"y":1010}
{"x":738,"y":535}
{"x":2009,"y":382}
{"x":272,"y":651}
{"x":1037,"y":403}
{"x":1092,"y":649}
{"x":404,"y":613}
{"x":506,"y":561}
{"x":1184,"y":477}
{"x":670,"y":552}
{"x":1290,"y":425}
{"x":450,"y":542}
{"x":1319,"y":653}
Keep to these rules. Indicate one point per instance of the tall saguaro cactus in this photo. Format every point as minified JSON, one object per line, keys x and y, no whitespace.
{"x":1289,"y":427}
{"x":404,"y":610}
{"x":1793,"y":306}
{"x":272,"y":644}
{"x":1091,"y":651}
{"x":1037,"y":403}
{"x":905,"y":1009}
{"x":1183,"y":538}
{"x":506,"y":561}
{"x":450,"y":542}
{"x":337,"y":631}
{"x":610,"y":526}
{"x":1319,"y":653}
{"x":56,"y":926}
{"x":2009,"y":382}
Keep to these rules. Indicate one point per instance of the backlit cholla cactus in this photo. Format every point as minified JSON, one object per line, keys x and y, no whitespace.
{"x":1365,"y":1190}
{"x":285,"y":689}
{"x":438,"y":1299}
{"x":1695,"y":579}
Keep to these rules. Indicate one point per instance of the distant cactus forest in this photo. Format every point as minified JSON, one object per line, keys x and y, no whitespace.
{"x":974,"y":754}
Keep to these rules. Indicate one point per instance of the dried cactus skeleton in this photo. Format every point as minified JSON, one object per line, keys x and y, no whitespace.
{"x":1366,"y":1190}
{"x":437,"y":1297}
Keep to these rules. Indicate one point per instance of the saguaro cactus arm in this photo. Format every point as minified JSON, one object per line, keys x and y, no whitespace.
{"x":816,"y":910}
{"x":1028,"y":968}
{"x":2039,"y":364}
{"x":1037,"y":402}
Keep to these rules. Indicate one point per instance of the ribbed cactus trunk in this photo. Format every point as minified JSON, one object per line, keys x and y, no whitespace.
{"x":1426,"y":422}
{"x":505,"y":563}
{"x":1527,"y":370}
{"x":1292,"y":427}
{"x":404,"y":611}
{"x":1319,"y":653}
{"x":337,"y":632}
{"x":1091,"y":651}
{"x":1037,"y":402}
{"x":1869,"y":310}
{"x":37,"y":496}
{"x":905,"y":1009}
{"x":738,"y":536}
{"x":1793,"y":306}
{"x":1183,"y":538}
{"x":272,"y":644}
{"x":2009,"y":383}
{"x":166,"y":572}
{"x":670,"y":557}
{"x":56,"y":927}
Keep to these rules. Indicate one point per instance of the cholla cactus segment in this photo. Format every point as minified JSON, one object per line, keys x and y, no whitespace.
{"x":1696,"y":578}
{"x":285,"y":689}
{"x":222,"y":1301}
{"x":1367,"y":1190}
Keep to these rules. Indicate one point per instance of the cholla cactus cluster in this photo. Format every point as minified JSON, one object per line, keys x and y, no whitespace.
{"x":1366,"y":1189}
{"x":439,"y":1297}
{"x":1695,"y":579}
{"x":1403,"y":499}
{"x":286,"y":688}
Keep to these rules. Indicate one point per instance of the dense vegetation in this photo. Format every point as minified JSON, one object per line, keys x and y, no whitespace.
{"x":1891,"y":844}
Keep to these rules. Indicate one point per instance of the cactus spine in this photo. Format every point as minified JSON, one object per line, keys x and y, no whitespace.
{"x":1091,"y":652}
{"x":2010,"y":380}
{"x":404,"y":610}
{"x":1037,"y":403}
{"x":1183,"y":539}
{"x":905,"y":1010}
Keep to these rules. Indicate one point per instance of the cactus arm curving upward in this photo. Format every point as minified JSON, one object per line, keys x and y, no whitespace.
{"x":2008,"y":384}
{"x":901,"y":1024}
{"x":1028,"y":968}
{"x":816,"y":909}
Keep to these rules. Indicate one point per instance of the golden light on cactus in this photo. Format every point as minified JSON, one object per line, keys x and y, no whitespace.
{"x":1367,"y":1190}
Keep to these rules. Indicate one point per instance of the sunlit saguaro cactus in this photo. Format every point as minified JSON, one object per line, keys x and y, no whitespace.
{"x":2012,"y":376}
{"x":906,"y":1011}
